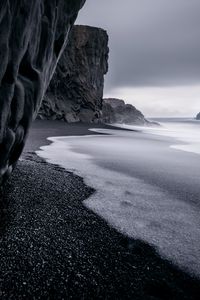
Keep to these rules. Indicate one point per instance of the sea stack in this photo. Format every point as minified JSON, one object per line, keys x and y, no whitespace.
{"x":198,"y":116}
{"x":116,"y":111}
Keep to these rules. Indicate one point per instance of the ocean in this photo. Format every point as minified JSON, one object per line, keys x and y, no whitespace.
{"x":184,"y":130}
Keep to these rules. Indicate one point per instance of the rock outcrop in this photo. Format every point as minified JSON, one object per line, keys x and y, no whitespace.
{"x":33,"y":34}
{"x":198,"y":116}
{"x":116,"y":111}
{"x":76,"y":90}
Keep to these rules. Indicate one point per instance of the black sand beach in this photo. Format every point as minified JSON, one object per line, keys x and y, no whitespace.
{"x":53,"y":247}
{"x":41,"y":129}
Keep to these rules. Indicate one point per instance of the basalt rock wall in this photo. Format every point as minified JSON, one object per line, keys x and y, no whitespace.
{"x":33,"y":34}
{"x":76,"y":90}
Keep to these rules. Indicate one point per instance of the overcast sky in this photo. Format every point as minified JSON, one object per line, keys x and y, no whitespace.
{"x":154,"y":52}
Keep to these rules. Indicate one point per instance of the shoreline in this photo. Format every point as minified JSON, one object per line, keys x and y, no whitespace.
{"x":53,"y":246}
{"x":57,"y":245}
{"x":42,"y":129}
{"x":111,"y":164}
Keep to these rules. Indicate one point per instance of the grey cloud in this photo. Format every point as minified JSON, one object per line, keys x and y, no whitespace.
{"x":152,"y":42}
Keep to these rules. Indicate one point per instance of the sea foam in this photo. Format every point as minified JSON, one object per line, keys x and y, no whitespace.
{"x":135,"y":208}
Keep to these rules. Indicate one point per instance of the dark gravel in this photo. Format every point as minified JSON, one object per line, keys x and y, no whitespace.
{"x":52,"y":247}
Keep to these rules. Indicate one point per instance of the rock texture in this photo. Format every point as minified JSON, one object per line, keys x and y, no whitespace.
{"x":116,"y":111}
{"x":198,"y":116}
{"x":33,"y":34}
{"x":76,"y":90}
{"x":75,"y":93}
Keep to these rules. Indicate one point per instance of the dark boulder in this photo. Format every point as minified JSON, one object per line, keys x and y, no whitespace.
{"x":33,"y":34}
{"x":198,"y":116}
{"x":76,"y":90}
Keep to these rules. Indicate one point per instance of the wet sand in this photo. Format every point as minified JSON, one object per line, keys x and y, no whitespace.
{"x":42,"y":129}
{"x":144,"y":188}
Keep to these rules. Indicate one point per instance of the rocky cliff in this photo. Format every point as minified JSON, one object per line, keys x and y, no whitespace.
{"x":76,"y":90}
{"x":116,"y":111}
{"x":33,"y":34}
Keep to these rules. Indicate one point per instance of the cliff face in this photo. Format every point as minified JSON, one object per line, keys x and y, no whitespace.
{"x":116,"y":111}
{"x":76,"y":90}
{"x":33,"y":35}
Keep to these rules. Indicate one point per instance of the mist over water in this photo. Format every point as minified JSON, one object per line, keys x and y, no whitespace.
{"x":185,"y":130}
{"x":132,"y":173}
